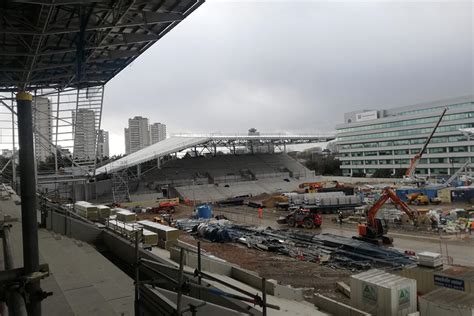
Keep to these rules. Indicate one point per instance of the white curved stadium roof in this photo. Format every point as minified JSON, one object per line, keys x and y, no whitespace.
{"x":181,"y":142}
{"x":157,"y":150}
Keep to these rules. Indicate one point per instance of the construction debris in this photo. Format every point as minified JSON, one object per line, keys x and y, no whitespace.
{"x":331,"y":250}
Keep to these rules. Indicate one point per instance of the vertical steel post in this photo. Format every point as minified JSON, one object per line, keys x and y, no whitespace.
{"x":13,"y":149}
{"x":199,"y":263}
{"x":56,"y":136}
{"x":137,"y":273}
{"x":264,"y":297}
{"x":29,"y":221}
{"x":180,"y":282}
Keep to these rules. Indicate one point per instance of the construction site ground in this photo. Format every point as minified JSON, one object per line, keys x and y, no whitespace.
{"x":317,"y":278}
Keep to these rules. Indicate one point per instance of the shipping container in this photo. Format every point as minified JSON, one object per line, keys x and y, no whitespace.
{"x":86,"y":210}
{"x":446,"y":302}
{"x":445,"y":195}
{"x":456,"y":278}
{"x":103,"y":211}
{"x":149,"y":238}
{"x":424,"y":277}
{"x":402,"y":193}
{"x":165,"y":233}
{"x":126,"y":229}
{"x":380,"y":293}
{"x":464,"y":195}
{"x":125,"y":215}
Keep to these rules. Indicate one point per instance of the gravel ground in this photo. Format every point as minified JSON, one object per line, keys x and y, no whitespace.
{"x":286,"y":270}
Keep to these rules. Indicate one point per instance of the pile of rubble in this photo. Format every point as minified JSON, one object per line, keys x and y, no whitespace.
{"x":331,"y":250}
{"x":447,"y":221}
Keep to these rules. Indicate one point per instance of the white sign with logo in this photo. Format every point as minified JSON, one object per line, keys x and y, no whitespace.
{"x":366,"y":116}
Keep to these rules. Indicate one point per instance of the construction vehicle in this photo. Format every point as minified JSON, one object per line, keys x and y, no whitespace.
{"x":375,"y":230}
{"x":164,"y":219}
{"x":312,"y":187}
{"x":410,"y":177}
{"x":418,"y":198}
{"x":302,"y":217}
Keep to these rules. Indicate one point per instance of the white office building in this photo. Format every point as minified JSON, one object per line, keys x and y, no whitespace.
{"x":157,"y":132}
{"x":387,"y":139}
{"x":85,"y":134}
{"x":102,"y":144}
{"x":43,"y":125}
{"x":137,"y":135}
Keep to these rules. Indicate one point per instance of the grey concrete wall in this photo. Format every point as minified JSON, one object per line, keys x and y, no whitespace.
{"x":252,"y":279}
{"x":90,"y":191}
{"x":355,"y":179}
{"x":71,"y":227}
{"x":336,"y":308}
{"x":207,"y":264}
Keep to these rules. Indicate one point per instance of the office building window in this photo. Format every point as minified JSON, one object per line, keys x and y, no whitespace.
{"x":458,"y":149}
{"x":439,"y":171}
{"x":402,"y":142}
{"x":437,"y":150}
{"x":402,"y":152}
{"x":438,"y":160}
{"x":370,"y":153}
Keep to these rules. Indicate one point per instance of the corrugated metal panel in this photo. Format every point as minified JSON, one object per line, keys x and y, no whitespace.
{"x":444,"y":302}
{"x":381,"y":293}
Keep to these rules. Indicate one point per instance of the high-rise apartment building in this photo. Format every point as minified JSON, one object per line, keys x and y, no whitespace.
{"x":85,"y":134}
{"x":137,"y":135}
{"x":43,"y":125}
{"x":102,"y":144}
{"x":386,"y":139}
{"x":157,"y":132}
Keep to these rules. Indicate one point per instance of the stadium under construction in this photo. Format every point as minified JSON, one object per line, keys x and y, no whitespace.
{"x":214,"y":224}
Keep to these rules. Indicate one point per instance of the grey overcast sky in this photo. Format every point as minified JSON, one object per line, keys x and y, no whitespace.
{"x":294,"y":66}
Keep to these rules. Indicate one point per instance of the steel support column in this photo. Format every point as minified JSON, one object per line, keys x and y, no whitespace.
{"x":28,"y":199}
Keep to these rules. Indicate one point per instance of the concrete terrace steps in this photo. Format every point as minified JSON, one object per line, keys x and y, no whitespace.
{"x":226,"y":168}
{"x":210,"y":193}
{"x":89,"y":282}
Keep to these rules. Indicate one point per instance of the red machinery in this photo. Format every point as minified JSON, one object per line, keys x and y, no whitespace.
{"x":409,"y":174}
{"x":302,"y":217}
{"x":375,"y":231}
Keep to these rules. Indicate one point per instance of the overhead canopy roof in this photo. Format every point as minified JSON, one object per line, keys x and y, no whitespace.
{"x":177,"y":144}
{"x":79,"y":43}
{"x":157,"y":150}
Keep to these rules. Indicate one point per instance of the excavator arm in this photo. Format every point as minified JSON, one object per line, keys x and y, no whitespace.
{"x":414,"y":161}
{"x":389,"y":194}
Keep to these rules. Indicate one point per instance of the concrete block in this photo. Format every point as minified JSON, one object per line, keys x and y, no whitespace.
{"x":344,"y":288}
{"x":333,"y":307}
{"x":175,"y":255}
{"x":252,"y":279}
{"x":289,"y":292}
{"x":167,"y":244}
{"x":223,"y":268}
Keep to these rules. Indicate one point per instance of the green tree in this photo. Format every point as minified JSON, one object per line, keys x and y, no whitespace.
{"x":382,"y":173}
{"x":325,"y":165}
{"x":399,"y":173}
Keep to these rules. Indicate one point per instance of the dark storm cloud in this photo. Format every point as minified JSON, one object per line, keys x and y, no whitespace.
{"x":294,"y":65}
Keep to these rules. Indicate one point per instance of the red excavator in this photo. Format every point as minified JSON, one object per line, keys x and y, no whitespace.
{"x":375,"y":230}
